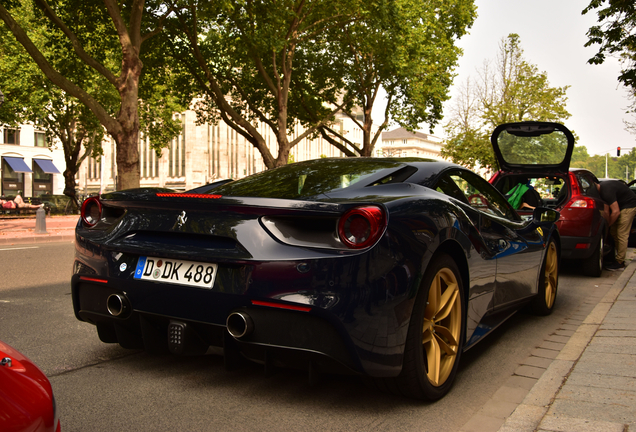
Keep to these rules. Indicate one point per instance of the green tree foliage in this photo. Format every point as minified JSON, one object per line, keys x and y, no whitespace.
{"x":405,"y":47}
{"x":32,"y":98}
{"x":107,"y":40}
{"x":579,"y":156}
{"x":260,"y":61}
{"x":513,"y":91}
{"x":623,"y":167}
{"x":616,"y":35}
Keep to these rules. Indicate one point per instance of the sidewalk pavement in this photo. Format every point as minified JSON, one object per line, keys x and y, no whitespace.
{"x":22,"y":230}
{"x":591,"y":384}
{"x":582,"y":379}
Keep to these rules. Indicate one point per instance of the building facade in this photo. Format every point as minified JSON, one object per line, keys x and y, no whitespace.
{"x":202,"y":153}
{"x":28,"y":166}
{"x":402,"y":143}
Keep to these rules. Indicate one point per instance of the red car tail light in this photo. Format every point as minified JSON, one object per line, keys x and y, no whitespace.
{"x":494,"y":178}
{"x":581,"y":202}
{"x":361,"y":227}
{"x":574,"y":186}
{"x":91,"y":211}
{"x":187,"y":195}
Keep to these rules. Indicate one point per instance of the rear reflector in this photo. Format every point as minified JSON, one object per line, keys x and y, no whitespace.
{"x":281,"y":305}
{"x":582,"y":246}
{"x":187,"y":195}
{"x":90,"y":279}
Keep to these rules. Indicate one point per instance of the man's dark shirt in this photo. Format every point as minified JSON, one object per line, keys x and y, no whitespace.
{"x":617,"y":191}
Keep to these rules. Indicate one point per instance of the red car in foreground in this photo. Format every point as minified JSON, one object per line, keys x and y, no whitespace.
{"x":537,"y":155}
{"x":26,"y":396}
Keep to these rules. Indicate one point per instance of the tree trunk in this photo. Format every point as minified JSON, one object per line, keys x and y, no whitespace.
{"x":128,"y":171}
{"x":69,"y":188}
{"x":368,"y":143}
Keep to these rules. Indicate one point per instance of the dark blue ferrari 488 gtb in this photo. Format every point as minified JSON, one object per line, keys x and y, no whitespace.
{"x":388,"y":268}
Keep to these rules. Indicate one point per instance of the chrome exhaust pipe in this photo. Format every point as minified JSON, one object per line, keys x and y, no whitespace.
{"x":118,"y":305}
{"x":239,"y":324}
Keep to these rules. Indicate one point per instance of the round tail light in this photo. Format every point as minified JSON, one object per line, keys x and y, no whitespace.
{"x":91,"y":211}
{"x":361,"y":227}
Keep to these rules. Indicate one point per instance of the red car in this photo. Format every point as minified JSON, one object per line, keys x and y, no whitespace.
{"x":536,"y":156}
{"x":26,"y":397}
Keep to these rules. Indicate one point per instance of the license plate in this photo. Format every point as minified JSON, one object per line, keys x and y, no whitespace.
{"x":179,"y":272}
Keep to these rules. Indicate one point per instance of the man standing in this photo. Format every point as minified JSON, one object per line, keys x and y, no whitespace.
{"x":622,"y":205}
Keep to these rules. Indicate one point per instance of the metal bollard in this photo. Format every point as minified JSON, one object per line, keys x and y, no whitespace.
{"x":40,"y":221}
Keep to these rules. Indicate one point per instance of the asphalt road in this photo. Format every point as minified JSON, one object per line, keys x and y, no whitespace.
{"x":102,"y":387}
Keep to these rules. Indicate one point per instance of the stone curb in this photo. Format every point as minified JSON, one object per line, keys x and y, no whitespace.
{"x":533,"y":409}
{"x":38,"y":238}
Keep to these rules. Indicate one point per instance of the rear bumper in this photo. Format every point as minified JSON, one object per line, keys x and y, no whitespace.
{"x":578,"y":247}
{"x":349,"y":323}
{"x":283,"y":337}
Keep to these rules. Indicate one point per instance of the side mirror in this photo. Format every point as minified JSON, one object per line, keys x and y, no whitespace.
{"x":545,"y":216}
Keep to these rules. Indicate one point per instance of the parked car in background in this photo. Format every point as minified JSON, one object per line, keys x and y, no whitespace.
{"x":388,"y":268}
{"x":26,"y":396}
{"x":537,"y":155}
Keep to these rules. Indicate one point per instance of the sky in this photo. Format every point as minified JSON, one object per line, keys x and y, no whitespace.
{"x":552,"y":35}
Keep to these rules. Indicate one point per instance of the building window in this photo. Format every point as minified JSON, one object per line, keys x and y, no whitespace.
{"x":176,"y":155}
{"x":40,"y":139}
{"x":149,"y":162}
{"x":42,"y":181}
{"x":12,"y":136}
{"x":12,"y":181}
{"x":94,"y":168}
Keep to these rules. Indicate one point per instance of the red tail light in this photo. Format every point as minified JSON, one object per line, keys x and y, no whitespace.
{"x":581,"y":202}
{"x":578,"y":200}
{"x":91,"y":211}
{"x":361,"y":227}
{"x":574,"y":186}
{"x":188,"y":195}
{"x":494,"y":178}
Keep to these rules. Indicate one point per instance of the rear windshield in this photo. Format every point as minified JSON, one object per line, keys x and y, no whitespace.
{"x":548,"y":149}
{"x":307,"y":179}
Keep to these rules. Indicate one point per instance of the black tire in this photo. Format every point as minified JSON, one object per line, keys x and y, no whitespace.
{"x":548,"y":282}
{"x":593,"y":266}
{"x":433,"y":339}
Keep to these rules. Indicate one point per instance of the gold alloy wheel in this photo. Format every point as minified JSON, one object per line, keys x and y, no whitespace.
{"x":442,"y":326}
{"x":551,"y":275}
